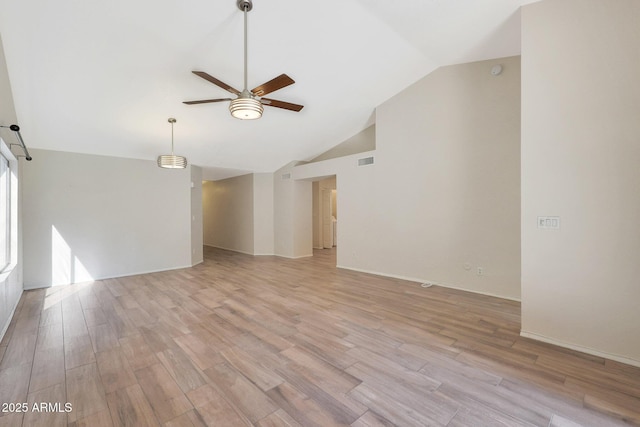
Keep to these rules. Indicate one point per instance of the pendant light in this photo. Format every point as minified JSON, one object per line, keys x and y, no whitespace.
{"x":171,"y":161}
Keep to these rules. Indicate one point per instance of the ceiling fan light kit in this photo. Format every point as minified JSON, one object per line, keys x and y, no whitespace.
{"x":171,"y":161}
{"x":245,"y":107}
{"x":248,"y":104}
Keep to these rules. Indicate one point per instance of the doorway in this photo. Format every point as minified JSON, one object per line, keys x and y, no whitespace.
{"x":325,"y":213}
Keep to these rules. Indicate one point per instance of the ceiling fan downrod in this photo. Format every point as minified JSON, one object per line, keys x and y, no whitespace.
{"x":245,"y":6}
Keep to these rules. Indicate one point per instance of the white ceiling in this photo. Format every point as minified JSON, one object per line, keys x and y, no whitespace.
{"x":104,"y":77}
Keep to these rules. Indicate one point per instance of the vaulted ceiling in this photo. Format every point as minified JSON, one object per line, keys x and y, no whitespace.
{"x":104,"y":77}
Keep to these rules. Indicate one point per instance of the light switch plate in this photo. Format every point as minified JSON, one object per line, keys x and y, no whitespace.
{"x":549,"y":222}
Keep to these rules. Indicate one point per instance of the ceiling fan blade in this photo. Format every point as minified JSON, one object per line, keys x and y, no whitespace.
{"x":206,"y":101}
{"x":216,"y":82}
{"x":272,"y":85}
{"x":281,"y":104}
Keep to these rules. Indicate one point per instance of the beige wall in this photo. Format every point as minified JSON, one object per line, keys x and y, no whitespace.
{"x":238,"y":213}
{"x":284,"y":206}
{"x":449,"y":151}
{"x":293,"y":224}
{"x":302,"y":224}
{"x":263,"y":213}
{"x":7,"y":109}
{"x":580,"y":161}
{"x":10,"y":282}
{"x":444,"y":191}
{"x":91,"y":217}
{"x":359,"y":143}
{"x":315,"y":214}
{"x":197,"y":232}
{"x":228,"y":213}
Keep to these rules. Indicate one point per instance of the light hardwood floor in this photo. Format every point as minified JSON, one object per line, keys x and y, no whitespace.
{"x":241,"y":341}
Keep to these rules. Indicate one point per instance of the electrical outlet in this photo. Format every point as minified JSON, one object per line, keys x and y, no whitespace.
{"x":480,"y":271}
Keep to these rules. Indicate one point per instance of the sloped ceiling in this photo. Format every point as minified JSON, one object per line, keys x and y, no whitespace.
{"x":104,"y":77}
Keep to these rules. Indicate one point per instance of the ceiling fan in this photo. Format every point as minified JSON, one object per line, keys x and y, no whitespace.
{"x":248,"y":104}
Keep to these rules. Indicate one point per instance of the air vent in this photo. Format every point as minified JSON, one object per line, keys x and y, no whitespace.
{"x":286,"y":176}
{"x":365,"y":161}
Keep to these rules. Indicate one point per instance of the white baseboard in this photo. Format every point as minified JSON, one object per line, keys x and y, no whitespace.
{"x":294,"y":257}
{"x":377,"y":273}
{"x":95,"y":279}
{"x":13,"y":312}
{"x":240,"y":252}
{"x":591,"y":351}
{"x":474,"y":291}
{"x":230,"y":249}
{"x":444,"y":285}
{"x":267,"y":254}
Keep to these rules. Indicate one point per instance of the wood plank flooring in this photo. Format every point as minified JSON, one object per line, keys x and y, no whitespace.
{"x":265,"y":341}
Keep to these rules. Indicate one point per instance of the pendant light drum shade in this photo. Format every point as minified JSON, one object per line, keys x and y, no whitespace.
{"x":171,"y":161}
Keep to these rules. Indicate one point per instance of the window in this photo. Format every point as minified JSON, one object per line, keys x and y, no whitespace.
{"x":5,"y":213}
